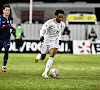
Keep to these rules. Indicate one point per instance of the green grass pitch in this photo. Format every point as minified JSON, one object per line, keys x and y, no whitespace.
{"x":76,"y":72}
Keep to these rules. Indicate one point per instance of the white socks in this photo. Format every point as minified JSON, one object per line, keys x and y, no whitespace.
{"x":39,"y":56}
{"x":3,"y":66}
{"x":49,"y":64}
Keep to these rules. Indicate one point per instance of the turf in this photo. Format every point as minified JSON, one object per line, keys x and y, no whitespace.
{"x":76,"y":72}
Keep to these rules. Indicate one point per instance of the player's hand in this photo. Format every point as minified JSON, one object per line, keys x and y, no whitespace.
{"x":60,"y":42}
{"x":41,"y":38}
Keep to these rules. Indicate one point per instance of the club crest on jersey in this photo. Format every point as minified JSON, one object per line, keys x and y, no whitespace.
{"x":8,"y":22}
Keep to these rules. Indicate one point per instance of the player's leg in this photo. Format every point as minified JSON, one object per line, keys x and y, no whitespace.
{"x":6,"y":46}
{"x":49,"y":63}
{"x":1,"y":46}
{"x":42,"y":55}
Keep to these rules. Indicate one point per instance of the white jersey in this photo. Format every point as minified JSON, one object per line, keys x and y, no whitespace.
{"x":51,"y":30}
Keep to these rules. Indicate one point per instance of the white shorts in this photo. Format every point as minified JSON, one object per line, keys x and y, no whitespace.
{"x":45,"y":47}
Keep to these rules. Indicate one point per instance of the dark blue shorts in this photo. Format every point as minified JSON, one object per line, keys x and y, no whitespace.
{"x":5,"y":43}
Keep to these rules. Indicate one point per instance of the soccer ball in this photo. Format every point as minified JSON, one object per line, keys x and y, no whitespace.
{"x":54,"y":73}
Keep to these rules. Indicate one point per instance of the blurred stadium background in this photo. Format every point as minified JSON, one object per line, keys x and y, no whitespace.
{"x":76,"y":72}
{"x":43,"y":10}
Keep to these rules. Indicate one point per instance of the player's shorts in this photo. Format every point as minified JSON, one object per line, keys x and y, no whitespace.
{"x":45,"y":47}
{"x":5,"y":43}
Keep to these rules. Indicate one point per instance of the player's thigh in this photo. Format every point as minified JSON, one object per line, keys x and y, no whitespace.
{"x":52,"y":52}
{"x":44,"y":48}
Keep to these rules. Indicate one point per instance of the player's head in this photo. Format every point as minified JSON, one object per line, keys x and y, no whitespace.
{"x":59,"y":15}
{"x":6,"y":9}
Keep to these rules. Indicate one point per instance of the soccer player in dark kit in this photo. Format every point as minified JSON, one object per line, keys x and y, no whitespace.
{"x":5,"y":26}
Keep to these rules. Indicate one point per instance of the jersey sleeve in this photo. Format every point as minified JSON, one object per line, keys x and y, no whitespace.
{"x":44,"y":28}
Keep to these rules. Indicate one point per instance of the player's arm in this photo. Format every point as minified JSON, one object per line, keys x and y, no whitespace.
{"x":13,"y":32}
{"x":4,"y":27}
{"x":43,"y":30}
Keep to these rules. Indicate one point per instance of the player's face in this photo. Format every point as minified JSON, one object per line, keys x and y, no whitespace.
{"x":59,"y":17}
{"x":6,"y":11}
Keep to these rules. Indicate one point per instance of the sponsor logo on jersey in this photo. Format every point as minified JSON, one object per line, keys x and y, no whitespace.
{"x":52,"y":27}
{"x":3,"y":21}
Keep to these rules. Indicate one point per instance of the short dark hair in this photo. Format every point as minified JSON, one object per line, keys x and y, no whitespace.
{"x":59,"y":11}
{"x":4,"y":6}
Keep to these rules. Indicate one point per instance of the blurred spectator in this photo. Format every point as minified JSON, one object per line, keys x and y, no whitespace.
{"x":92,"y":36}
{"x":66,"y":37}
{"x":18,"y":36}
{"x":66,"y":34}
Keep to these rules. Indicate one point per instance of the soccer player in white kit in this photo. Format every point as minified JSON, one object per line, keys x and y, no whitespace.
{"x":50,"y":37}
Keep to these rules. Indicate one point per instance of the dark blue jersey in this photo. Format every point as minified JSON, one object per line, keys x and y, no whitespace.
{"x":4,"y":29}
